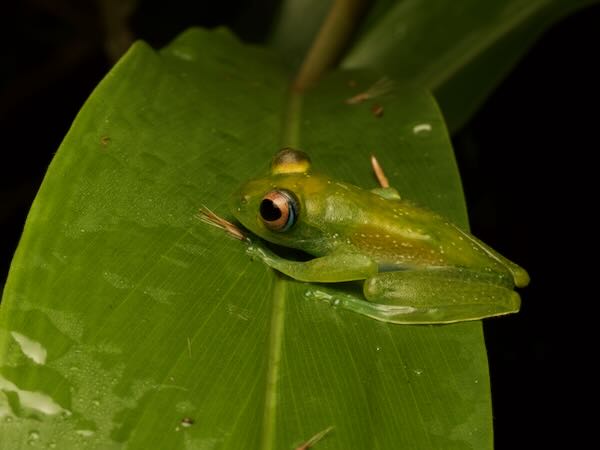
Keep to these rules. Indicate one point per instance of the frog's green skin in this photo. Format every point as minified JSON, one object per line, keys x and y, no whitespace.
{"x":417,"y":266}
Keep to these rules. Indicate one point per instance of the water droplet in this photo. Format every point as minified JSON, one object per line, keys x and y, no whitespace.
{"x":378,"y":349}
{"x":184,"y":53}
{"x":418,"y":371}
{"x":33,"y":437}
{"x":187,"y":422}
{"x":32,"y":349}
{"x":85,"y":433}
{"x":117,"y":281}
{"x":32,"y":399}
{"x":422,"y":128}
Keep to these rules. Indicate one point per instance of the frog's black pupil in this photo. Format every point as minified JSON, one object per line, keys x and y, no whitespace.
{"x":269,"y":211}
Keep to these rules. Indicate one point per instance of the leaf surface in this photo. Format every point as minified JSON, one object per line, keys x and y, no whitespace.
{"x":126,"y":322}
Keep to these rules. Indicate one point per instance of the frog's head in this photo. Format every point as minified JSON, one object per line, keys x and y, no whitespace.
{"x":280,"y":206}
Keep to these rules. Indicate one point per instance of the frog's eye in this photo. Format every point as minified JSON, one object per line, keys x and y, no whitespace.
{"x":279,"y":210}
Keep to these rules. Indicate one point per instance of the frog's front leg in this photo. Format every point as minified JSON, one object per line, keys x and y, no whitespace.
{"x":327,"y":269}
{"x":429,"y":296}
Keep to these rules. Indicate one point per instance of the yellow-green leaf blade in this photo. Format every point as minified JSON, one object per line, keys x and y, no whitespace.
{"x":127,"y":322}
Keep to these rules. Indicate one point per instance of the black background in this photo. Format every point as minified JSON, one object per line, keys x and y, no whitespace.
{"x":527,"y":160}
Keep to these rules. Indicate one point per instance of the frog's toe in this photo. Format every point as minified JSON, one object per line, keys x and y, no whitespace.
{"x":254,"y":252}
{"x":316,"y":294}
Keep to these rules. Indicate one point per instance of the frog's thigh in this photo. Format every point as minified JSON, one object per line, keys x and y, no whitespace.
{"x":439,"y":296}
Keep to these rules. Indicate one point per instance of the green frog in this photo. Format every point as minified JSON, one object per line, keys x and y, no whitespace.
{"x":416,"y":266}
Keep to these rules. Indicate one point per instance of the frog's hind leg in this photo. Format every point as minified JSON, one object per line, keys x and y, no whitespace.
{"x":431,"y":296}
{"x":441,"y":295}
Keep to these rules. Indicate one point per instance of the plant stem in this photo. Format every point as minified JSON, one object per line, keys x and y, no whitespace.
{"x":331,"y":41}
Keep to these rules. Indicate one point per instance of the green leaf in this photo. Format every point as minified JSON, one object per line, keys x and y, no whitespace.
{"x":460,"y":50}
{"x":127,"y":322}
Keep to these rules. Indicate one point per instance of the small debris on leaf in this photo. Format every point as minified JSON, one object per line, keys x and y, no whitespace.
{"x":104,"y":141}
{"x":187,"y":422}
{"x":381,"y":178}
{"x":377,"y":110}
{"x":209,"y":217}
{"x":379,"y":88}
{"x":316,"y":438}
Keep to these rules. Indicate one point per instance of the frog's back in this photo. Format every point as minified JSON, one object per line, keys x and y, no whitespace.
{"x":397,"y":234}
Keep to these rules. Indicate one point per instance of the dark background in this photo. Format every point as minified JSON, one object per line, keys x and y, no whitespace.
{"x":527,"y":162}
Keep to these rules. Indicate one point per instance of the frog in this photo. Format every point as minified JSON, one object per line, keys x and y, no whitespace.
{"x":415,"y":265}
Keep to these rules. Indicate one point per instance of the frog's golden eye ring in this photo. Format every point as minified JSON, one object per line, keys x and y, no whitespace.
{"x":279,"y":210}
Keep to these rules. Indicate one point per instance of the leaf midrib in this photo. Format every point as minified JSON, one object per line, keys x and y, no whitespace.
{"x":290,"y":137}
{"x":274,"y":360}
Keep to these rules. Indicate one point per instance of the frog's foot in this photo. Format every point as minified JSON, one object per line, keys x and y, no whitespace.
{"x":322,"y":296}
{"x":257,"y":251}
